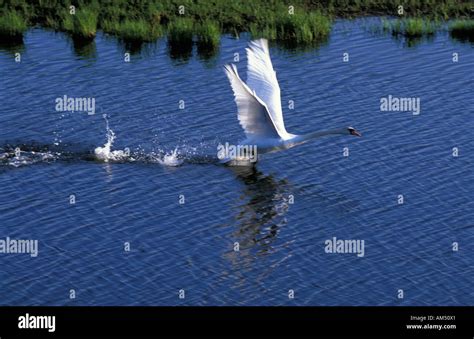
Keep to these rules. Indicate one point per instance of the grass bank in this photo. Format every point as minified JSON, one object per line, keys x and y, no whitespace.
{"x":84,"y":23}
{"x":188,"y":22}
{"x":133,"y":30}
{"x":462,"y":30}
{"x":12,"y":26}
{"x":411,"y":27}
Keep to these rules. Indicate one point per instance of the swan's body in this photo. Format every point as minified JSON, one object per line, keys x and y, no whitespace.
{"x":259,"y":104}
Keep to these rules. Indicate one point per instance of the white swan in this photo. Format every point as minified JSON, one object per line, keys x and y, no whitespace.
{"x":259,"y":104}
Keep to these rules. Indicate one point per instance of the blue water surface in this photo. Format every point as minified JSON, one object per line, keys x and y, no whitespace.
{"x":280,"y":213}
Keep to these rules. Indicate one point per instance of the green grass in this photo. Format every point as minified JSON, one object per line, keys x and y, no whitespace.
{"x":12,"y":26}
{"x":181,"y":31}
{"x":299,"y":28}
{"x":205,"y":20}
{"x":303,"y":28}
{"x":84,"y":23}
{"x":110,"y":27}
{"x":462,"y":29}
{"x":268,"y":31}
{"x":133,"y":30}
{"x":418,"y":27}
{"x":208,"y":35}
{"x":180,"y":38}
{"x":67,"y":22}
{"x":411,"y":27}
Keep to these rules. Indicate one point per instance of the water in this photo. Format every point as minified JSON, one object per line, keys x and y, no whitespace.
{"x":128,"y":179}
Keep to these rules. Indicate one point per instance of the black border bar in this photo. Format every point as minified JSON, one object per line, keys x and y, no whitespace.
{"x":241,"y":321}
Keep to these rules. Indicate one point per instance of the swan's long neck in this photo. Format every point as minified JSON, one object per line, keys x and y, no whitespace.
{"x":309,"y":136}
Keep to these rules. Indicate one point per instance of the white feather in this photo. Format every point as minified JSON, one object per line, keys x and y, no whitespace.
{"x":253,"y":113}
{"x":262,"y":79}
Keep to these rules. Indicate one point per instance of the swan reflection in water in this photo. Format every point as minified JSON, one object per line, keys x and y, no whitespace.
{"x":260,"y":216}
{"x":261,"y":212}
{"x":262,"y":205}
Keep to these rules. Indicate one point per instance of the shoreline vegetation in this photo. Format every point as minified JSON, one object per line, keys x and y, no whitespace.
{"x":462,"y":30}
{"x":411,"y":27}
{"x":187,"y":22}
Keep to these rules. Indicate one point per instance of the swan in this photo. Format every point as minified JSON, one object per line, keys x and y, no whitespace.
{"x":259,"y":104}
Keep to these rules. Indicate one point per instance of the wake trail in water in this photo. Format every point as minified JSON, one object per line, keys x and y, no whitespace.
{"x":27,"y":154}
{"x":16,"y":157}
{"x":24,"y":154}
{"x":106,"y":153}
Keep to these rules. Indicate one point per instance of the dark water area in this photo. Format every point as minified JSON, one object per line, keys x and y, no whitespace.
{"x":280,"y":213}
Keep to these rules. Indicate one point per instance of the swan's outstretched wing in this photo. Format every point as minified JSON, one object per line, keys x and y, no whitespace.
{"x":252,"y":112}
{"x":262,"y":79}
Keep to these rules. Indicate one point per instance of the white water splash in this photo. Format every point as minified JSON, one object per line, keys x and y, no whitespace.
{"x":19,"y":158}
{"x":171,"y":159}
{"x":105,"y":153}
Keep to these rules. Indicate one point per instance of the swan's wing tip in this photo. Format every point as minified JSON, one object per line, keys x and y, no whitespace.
{"x":252,"y":112}
{"x":230,"y":68}
{"x":259,"y":44}
{"x":260,"y":41}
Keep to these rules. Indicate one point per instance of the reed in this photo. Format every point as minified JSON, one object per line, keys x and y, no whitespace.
{"x":208,"y":35}
{"x":205,"y":20}
{"x":12,"y":26}
{"x":180,"y":38}
{"x":138,"y":30}
{"x":303,"y":28}
{"x":411,"y":27}
{"x":84,"y":23}
{"x":462,"y":30}
{"x":180,"y":31}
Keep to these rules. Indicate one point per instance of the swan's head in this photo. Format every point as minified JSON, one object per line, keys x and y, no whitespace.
{"x":353,"y":131}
